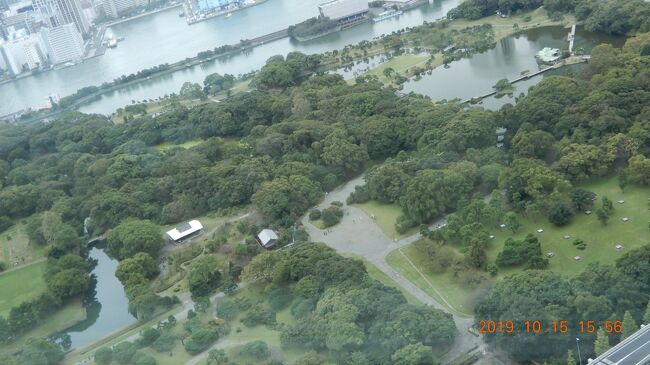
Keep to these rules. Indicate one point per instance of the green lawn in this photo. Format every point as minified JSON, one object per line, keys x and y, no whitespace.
{"x":20,"y":285}
{"x":441,"y":287}
{"x":504,"y":27}
{"x":400,"y":64}
{"x":600,"y":239}
{"x":378,"y":275}
{"x":69,"y":315}
{"x":189,"y":144}
{"x":600,"y":245}
{"x":16,"y":248}
{"x":385,"y":216}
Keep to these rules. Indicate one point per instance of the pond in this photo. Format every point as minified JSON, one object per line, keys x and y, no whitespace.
{"x":512,"y":55}
{"x":107,"y":310}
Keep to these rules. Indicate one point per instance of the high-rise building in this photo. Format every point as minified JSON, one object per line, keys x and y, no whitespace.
{"x":113,"y":8}
{"x":19,"y":15}
{"x":22,"y":54}
{"x":60,"y":12}
{"x":62,"y":43}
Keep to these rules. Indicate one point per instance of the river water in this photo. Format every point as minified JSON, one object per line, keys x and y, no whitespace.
{"x":109,"y":311}
{"x":165,"y":38}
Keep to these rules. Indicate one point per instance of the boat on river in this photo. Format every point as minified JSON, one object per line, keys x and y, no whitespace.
{"x":387,"y":15}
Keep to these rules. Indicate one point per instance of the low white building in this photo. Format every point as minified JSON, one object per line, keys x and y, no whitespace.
{"x":344,"y":9}
{"x":63,"y":43}
{"x":185,"y":231}
{"x":267,"y":238}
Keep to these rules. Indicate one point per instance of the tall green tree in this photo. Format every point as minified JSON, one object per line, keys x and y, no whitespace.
{"x":413,"y":354}
{"x":512,"y":221}
{"x":133,"y":236}
{"x":629,"y":325}
{"x":570,"y":358}
{"x":204,"y":276}
{"x":217,"y":357}
{"x":601,"y":344}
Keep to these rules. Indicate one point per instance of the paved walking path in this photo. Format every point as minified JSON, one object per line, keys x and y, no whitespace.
{"x":359,"y":235}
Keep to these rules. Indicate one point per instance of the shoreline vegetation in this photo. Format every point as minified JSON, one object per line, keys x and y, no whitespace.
{"x":454,"y":32}
{"x":313,"y":28}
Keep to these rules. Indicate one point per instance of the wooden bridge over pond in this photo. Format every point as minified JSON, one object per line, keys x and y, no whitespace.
{"x":572,"y":61}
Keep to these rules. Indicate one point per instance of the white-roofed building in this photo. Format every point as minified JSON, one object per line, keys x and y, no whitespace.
{"x":267,"y":238}
{"x":344,"y":11}
{"x":185,"y":230}
{"x":63,"y":43}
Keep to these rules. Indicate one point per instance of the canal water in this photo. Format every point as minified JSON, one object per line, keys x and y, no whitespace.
{"x":165,"y":38}
{"x":108,"y":311}
{"x":513,"y":55}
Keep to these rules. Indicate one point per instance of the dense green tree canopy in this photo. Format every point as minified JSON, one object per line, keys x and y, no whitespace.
{"x":134,"y":236}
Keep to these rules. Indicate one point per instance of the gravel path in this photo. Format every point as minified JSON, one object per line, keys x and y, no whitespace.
{"x":359,"y":235}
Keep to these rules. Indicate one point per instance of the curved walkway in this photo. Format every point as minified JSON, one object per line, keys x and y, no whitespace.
{"x":359,"y":235}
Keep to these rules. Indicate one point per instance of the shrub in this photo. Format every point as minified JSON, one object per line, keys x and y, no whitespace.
{"x":257,"y":349}
{"x":257,"y":316}
{"x":147,"y":337}
{"x":404,"y":223}
{"x":279,"y":298}
{"x":331,"y":216}
{"x":143,"y":359}
{"x":227,"y":309}
{"x":560,"y":213}
{"x":314,"y":214}
{"x":492,"y":269}
{"x":165,"y":342}
{"x":577,"y":242}
{"x":302,"y":307}
{"x":104,"y":355}
{"x":200,"y":340}
{"x":359,"y":195}
{"x":123,"y":352}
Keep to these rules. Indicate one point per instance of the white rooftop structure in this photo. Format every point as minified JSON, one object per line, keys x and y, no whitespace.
{"x":267,"y":237}
{"x":338,"y":9}
{"x":185,"y":230}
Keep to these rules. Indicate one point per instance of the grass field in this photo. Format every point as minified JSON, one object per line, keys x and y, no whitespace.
{"x":20,"y":285}
{"x":441,"y":287}
{"x":600,"y":239}
{"x":504,"y":27}
{"x":189,"y":144}
{"x":600,"y":242}
{"x":378,"y":275}
{"x":385,"y":216}
{"x":401,"y":64}
{"x":69,"y":315}
{"x":16,"y":249}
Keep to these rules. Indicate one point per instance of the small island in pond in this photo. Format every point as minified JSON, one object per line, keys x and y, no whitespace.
{"x":313,"y":28}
